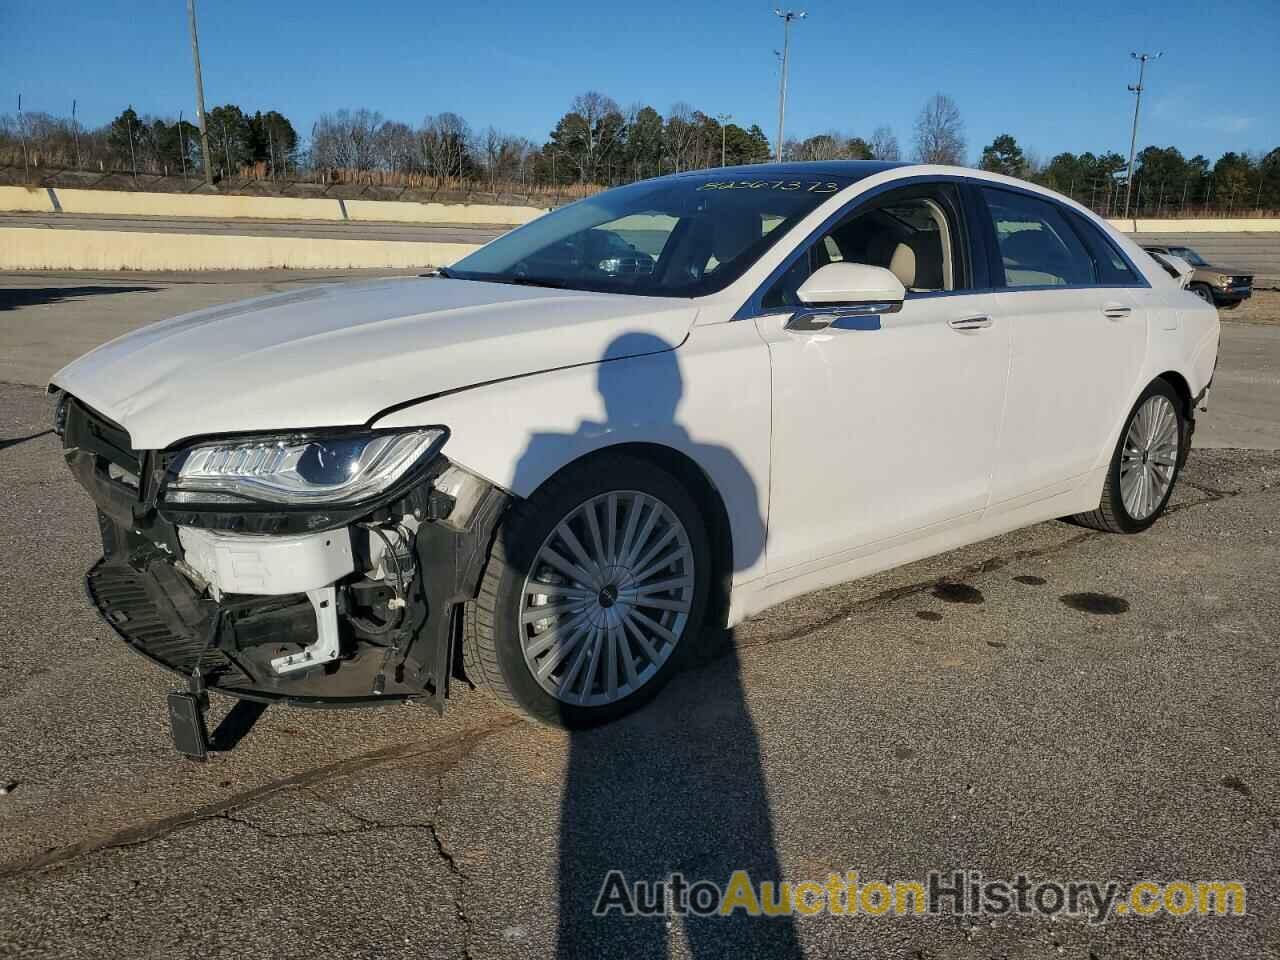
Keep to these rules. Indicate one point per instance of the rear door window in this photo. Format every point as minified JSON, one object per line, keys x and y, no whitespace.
{"x":1038,"y":247}
{"x":1112,"y":268}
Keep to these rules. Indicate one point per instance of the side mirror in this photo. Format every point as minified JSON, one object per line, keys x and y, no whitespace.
{"x":851,"y":283}
{"x":846,"y":289}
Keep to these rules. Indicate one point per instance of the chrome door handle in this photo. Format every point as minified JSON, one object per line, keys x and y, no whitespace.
{"x":1116,"y":311}
{"x":970,"y":323}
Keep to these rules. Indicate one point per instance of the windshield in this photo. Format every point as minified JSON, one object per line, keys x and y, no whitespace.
{"x":682,"y":236}
{"x":1189,"y":255}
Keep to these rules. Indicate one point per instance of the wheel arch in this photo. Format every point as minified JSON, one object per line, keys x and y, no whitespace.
{"x":698,"y":482}
{"x":1182,"y":388}
{"x":1186,"y":401}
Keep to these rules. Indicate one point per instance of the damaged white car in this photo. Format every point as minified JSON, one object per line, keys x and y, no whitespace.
{"x":562,"y":465}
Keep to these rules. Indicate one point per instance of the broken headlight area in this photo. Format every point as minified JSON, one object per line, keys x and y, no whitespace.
{"x":317,"y":569}
{"x":292,"y":471}
{"x":293,"y":483}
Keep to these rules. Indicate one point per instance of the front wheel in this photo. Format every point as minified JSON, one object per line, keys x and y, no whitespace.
{"x":594,"y":592}
{"x":1204,"y":292}
{"x":1144,"y":466}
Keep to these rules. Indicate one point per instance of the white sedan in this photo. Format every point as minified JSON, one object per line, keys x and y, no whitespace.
{"x":581,"y":452}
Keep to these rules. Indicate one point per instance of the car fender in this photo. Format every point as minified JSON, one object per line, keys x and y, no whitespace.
{"x":709,"y":400}
{"x":1182,"y":338}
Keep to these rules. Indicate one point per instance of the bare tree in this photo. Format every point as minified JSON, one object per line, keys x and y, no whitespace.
{"x":444,"y":143}
{"x":600,"y":129}
{"x":505,"y":158}
{"x":940,"y":132}
{"x":884,"y":145}
{"x":679,"y":134}
{"x":394,"y":147}
{"x":824,"y":146}
{"x":345,"y":140}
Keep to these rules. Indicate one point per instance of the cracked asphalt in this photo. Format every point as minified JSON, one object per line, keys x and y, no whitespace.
{"x":1055,"y":701}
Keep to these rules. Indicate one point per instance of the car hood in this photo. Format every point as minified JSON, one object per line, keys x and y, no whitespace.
{"x":337,"y":355}
{"x":1225,"y":271}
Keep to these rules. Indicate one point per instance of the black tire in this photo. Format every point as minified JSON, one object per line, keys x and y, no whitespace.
{"x":1204,"y":292}
{"x":1111,"y":515}
{"x":493,"y":657}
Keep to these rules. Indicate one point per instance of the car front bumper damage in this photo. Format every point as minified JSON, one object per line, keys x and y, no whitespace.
{"x":362,"y":612}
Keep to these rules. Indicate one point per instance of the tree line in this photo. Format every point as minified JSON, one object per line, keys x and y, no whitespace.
{"x":597,"y":143}
{"x":150,"y":144}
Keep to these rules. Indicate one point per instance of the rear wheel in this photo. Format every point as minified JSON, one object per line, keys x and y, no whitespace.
{"x":594,"y":593}
{"x":1144,"y":466}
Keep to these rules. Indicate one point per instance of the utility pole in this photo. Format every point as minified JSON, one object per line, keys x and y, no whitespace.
{"x":724,"y":118}
{"x":1142,"y":59}
{"x":75,"y":132}
{"x":133,"y":157}
{"x":182,"y":145}
{"x":787,"y":16}
{"x":22,"y":130}
{"x":205,"y":159}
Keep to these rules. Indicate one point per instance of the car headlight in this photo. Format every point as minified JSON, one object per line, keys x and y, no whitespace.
{"x":298,"y":470}
{"x":1224,"y":281}
{"x":58,"y":401}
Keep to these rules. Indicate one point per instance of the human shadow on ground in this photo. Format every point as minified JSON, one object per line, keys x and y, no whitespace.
{"x":675,"y":793}
{"x":12,"y":298}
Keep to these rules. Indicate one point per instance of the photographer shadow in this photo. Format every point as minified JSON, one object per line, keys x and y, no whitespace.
{"x":675,"y":793}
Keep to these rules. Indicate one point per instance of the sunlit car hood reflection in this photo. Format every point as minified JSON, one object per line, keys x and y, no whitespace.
{"x":338,"y":354}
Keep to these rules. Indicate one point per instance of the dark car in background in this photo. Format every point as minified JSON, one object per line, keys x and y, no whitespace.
{"x":1214,"y":284}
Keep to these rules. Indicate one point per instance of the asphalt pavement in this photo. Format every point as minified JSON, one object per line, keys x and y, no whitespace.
{"x":1055,"y":701}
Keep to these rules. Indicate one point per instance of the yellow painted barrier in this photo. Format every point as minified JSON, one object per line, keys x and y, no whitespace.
{"x":122,"y":203}
{"x":1213,"y":225}
{"x":128,"y":204}
{"x":25,"y":200}
{"x":400,"y":211}
{"x":33,"y":248}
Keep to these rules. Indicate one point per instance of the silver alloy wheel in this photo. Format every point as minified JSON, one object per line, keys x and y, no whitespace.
{"x":1149,"y":458}
{"x":607,"y":598}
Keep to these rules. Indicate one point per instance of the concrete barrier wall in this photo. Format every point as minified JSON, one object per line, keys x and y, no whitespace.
{"x":129,"y":204}
{"x":217,"y":206}
{"x":25,"y":200}
{"x":1217,"y":225}
{"x":124,"y":204}
{"x":400,"y":211}
{"x":24,"y":248}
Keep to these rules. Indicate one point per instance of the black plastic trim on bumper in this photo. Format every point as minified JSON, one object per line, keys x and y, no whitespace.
{"x":132,"y":603}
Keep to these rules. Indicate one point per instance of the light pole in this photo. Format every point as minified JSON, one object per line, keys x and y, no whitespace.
{"x":724,"y":118}
{"x":75,"y":132}
{"x":22,"y":131}
{"x":1142,"y":59}
{"x":787,"y":16}
{"x":205,"y":159}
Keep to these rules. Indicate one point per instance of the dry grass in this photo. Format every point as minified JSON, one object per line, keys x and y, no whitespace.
{"x":1263,"y":307}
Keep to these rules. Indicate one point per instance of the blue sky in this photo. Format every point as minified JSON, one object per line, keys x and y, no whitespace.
{"x":1053,"y":74}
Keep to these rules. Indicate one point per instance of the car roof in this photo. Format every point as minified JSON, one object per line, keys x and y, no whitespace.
{"x":856,"y":169}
